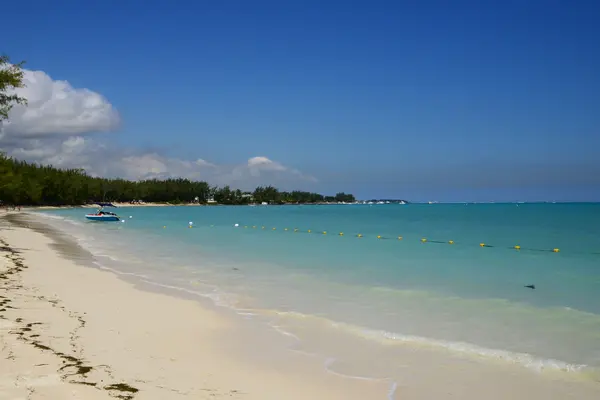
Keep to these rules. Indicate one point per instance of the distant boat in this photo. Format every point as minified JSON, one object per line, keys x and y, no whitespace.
{"x":102,"y":215}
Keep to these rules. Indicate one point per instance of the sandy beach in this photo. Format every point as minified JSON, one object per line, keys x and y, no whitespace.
{"x":69,"y":330}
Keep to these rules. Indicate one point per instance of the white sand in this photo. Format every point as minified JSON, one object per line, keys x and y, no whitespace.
{"x":163,"y":346}
{"x":68,"y":331}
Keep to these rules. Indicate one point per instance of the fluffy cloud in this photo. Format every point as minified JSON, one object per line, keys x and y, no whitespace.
{"x":56,"y":108}
{"x":257,"y":170}
{"x":52,"y":130}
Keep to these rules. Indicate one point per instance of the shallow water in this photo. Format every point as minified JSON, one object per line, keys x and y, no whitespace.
{"x":461,"y":297}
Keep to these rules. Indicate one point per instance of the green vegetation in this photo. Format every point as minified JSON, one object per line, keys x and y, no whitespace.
{"x":11,"y":77}
{"x":23,"y":183}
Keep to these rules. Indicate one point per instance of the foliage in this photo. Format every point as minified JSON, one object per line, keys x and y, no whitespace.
{"x":23,"y":183}
{"x":11,"y":77}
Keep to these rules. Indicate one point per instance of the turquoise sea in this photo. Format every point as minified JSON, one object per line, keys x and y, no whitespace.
{"x":417,"y":290}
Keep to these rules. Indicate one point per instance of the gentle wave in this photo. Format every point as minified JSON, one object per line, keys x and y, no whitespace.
{"x":330,"y":361}
{"x":459,"y":348}
{"x":56,"y":217}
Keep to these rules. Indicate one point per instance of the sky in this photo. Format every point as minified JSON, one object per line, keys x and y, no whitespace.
{"x":419,"y":100}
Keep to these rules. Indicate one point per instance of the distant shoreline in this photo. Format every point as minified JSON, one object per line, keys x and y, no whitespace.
{"x":150,"y":204}
{"x":178,"y":205}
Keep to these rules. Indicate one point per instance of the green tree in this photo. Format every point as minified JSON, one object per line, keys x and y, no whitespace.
{"x":267,"y":194}
{"x":344,"y":197}
{"x":23,"y":183}
{"x":11,"y":77}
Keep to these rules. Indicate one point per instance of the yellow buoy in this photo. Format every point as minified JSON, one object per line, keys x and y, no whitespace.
{"x":324,"y":232}
{"x":274,"y":228}
{"x":308,"y":231}
{"x":378,"y":236}
{"x":423,"y":240}
{"x":482,"y":244}
{"x":359,"y":235}
{"x":164,"y":227}
{"x":399,"y":237}
{"x":341,"y":233}
{"x":451,"y":242}
{"x":517,"y":247}
{"x":556,"y":250}
{"x":295,"y":229}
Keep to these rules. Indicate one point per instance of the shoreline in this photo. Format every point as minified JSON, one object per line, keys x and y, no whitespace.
{"x":150,"y":204}
{"x":126,"y":205}
{"x":201,"y":341}
{"x":71,"y":331}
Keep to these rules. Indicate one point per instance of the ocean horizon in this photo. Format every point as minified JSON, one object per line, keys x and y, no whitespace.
{"x":449,"y":277}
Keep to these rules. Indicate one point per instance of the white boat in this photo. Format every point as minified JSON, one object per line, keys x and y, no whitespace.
{"x":102,"y":215}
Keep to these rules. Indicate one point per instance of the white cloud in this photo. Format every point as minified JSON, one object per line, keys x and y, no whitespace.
{"x":100,"y":160}
{"x":265,"y":164}
{"x":56,"y":108}
{"x":153,"y":165}
{"x":52,"y":128}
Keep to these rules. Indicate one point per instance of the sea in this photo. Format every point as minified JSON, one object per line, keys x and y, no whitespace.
{"x":447,"y":277}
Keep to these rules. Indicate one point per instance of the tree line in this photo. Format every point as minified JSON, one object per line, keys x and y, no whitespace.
{"x":23,"y":183}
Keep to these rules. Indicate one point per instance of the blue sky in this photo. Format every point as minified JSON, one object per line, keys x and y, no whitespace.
{"x":425,"y":100}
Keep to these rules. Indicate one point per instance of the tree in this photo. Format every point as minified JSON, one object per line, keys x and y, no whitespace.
{"x":344,"y":197}
{"x":23,"y":183}
{"x":11,"y":77}
{"x":267,"y":194}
